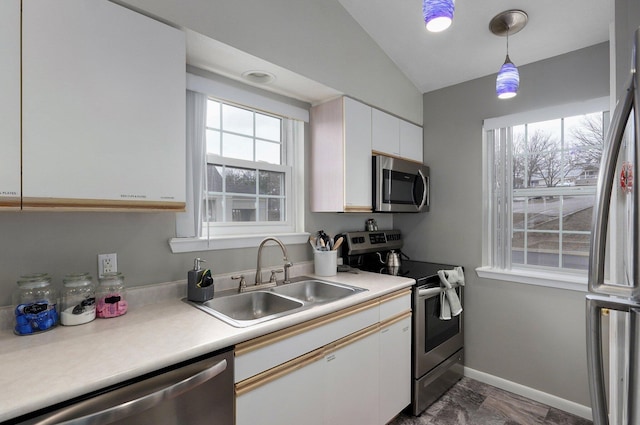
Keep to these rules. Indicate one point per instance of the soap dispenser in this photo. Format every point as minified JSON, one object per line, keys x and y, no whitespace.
{"x":199,"y":283}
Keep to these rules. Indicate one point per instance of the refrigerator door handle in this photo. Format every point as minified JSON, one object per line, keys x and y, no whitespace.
{"x":595,"y":364}
{"x":634,"y":367}
{"x":606,"y":178}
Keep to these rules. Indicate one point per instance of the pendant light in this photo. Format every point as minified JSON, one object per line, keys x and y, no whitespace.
{"x":438,"y":14}
{"x":504,"y":24}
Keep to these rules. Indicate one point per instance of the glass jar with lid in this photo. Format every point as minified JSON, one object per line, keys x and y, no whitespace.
{"x":35,"y":302}
{"x":78,"y":304}
{"x":111,"y":296}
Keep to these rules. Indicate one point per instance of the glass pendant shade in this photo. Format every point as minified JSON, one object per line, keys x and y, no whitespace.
{"x":438,"y":14}
{"x":508,"y":80}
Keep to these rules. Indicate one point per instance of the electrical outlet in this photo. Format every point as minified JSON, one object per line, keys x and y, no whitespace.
{"x":107,"y":263}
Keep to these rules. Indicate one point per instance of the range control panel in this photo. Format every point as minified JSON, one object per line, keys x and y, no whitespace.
{"x":364,"y":242}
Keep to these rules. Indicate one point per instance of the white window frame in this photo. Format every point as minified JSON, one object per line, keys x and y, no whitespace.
{"x":498,"y":269}
{"x":227,"y":236}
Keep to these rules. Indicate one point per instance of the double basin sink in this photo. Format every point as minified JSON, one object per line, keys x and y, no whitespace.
{"x":250,"y":308}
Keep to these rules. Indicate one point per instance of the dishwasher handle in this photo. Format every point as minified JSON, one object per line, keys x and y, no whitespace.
{"x":142,"y":403}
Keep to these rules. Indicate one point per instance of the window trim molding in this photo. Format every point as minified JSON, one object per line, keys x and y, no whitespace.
{"x":182,"y":245}
{"x":549,"y":279}
{"x":559,"y":279}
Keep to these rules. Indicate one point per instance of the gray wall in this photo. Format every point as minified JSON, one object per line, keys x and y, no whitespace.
{"x":531,"y":335}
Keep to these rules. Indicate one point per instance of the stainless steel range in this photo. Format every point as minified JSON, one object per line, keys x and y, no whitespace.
{"x":437,"y":344}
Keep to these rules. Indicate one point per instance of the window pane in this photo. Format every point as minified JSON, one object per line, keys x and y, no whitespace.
{"x":542,"y":249}
{"x":575,"y":251}
{"x":242,"y":208}
{"x":240,"y":180}
{"x":213,"y":210}
{"x":577,"y":213}
{"x":237,"y":120}
{"x":517,"y":248}
{"x":238,"y":147}
{"x":543,"y":213}
{"x":275,"y":210}
{"x":214,"y":178}
{"x":271,"y":183}
{"x":213,"y":141}
{"x":518,"y":209}
{"x":268,"y":152}
{"x":268,"y":127}
{"x":213,"y":114}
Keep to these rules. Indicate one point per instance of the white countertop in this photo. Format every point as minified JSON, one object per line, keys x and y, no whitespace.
{"x":68,"y":361}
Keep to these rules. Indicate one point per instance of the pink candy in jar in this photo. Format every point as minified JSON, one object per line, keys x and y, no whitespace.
{"x":111,"y":296}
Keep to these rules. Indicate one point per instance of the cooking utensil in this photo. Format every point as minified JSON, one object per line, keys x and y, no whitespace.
{"x":338,"y":243}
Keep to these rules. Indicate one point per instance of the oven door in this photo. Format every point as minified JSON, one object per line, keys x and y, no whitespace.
{"x":435,"y":340}
{"x":400,"y":186}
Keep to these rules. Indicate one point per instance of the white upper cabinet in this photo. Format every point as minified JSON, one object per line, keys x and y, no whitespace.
{"x":341,"y":156}
{"x":385,"y":133}
{"x":103,"y":107}
{"x":411,"y":145}
{"x":396,"y":137}
{"x":10,"y":104}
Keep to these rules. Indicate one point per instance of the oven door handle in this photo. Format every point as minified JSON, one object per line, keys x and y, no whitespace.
{"x":432,"y":292}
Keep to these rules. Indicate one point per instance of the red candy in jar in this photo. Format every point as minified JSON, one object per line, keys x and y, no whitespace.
{"x":111,"y":296}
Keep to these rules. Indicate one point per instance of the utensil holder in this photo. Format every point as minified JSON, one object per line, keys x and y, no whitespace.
{"x":325,"y":263}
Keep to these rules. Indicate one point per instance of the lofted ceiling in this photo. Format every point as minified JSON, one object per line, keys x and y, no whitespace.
{"x":465,"y":51}
{"x":468,"y":50}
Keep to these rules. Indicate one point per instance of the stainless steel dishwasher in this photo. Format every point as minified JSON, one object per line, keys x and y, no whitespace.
{"x":198,"y":392}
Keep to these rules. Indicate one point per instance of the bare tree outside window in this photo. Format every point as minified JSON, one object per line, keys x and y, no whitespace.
{"x":550,"y":215}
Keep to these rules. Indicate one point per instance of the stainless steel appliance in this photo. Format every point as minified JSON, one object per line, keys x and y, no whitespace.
{"x":437,"y":345}
{"x":622,"y":293}
{"x":197,"y":392}
{"x":399,"y":185}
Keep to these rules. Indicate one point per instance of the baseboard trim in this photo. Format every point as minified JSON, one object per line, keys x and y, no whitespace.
{"x":533,"y":394}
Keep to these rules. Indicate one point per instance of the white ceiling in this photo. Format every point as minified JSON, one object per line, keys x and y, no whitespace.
{"x":468,"y":50}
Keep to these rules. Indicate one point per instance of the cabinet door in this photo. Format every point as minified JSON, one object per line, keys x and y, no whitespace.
{"x":357,"y":161}
{"x":411,"y":144}
{"x":385,"y":133}
{"x":10,"y":104}
{"x":352,"y":382}
{"x":295,"y":397}
{"x":103,"y":107}
{"x":395,"y":367}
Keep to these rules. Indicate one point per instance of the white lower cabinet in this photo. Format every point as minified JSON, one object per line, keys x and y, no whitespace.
{"x":352,"y":381}
{"x":296,"y":397}
{"x":395,"y":367}
{"x":361,"y":378}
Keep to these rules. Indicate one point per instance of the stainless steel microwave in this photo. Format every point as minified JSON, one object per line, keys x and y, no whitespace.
{"x":399,"y":185}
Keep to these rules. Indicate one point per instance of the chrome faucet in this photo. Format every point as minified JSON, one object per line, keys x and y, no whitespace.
{"x":287,"y":263}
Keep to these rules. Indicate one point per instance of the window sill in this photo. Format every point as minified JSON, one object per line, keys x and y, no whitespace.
{"x":558,"y":280}
{"x":179,"y":245}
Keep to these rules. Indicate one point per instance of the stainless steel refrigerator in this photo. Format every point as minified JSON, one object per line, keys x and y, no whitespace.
{"x":614,"y":264}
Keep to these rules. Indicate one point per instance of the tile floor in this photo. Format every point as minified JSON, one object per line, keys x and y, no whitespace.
{"x":470,"y":402}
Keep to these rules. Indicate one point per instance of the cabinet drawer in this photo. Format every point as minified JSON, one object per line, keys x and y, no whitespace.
{"x":266,"y":352}
{"x":395,"y":304}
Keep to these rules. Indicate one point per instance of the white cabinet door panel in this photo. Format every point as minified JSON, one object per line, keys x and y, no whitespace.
{"x":352,"y":383}
{"x":395,"y":368}
{"x":103,"y":104}
{"x":385,"y":133}
{"x":411,"y":144}
{"x":357,"y":134}
{"x":10,"y":104}
{"x":295,"y":398}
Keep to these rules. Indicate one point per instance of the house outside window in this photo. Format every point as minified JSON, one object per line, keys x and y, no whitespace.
{"x":541,"y":179}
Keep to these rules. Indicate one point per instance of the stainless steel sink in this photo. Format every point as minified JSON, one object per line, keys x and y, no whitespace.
{"x":316,"y":291}
{"x":249,"y":308}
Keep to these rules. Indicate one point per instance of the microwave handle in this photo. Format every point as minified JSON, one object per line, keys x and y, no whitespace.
{"x":425,"y":191}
